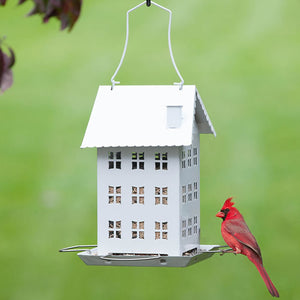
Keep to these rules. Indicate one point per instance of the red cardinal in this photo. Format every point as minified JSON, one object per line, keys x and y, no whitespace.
{"x":237,"y":235}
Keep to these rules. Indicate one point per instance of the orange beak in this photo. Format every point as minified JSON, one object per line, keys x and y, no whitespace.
{"x":220,"y":214}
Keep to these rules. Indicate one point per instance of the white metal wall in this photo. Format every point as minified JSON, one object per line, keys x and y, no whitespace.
{"x":190,"y":209}
{"x":126,"y":212}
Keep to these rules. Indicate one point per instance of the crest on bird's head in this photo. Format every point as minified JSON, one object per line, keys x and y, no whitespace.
{"x":228,"y":203}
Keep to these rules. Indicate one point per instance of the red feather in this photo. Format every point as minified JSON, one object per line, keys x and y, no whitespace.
{"x":238,"y":236}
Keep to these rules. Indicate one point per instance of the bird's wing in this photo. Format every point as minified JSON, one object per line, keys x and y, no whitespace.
{"x":239,"y":229}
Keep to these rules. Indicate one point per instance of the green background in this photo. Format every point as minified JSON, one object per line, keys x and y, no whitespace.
{"x":243,"y":56}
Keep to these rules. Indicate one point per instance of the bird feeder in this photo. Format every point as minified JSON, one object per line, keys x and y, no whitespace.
{"x":148,"y":172}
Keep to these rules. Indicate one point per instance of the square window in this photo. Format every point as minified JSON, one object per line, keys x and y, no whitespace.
{"x":134,"y":165}
{"x":111,"y":224}
{"x":110,"y":189}
{"x":165,"y":156}
{"x":118,"y":165}
{"x":141,"y":190}
{"x":141,"y":224}
{"x":110,"y":234}
{"x":195,"y":150}
{"x":118,"y":234}
{"x":157,"y":200}
{"x":111,"y":199}
{"x":165,"y":166}
{"x":110,"y":164}
{"x":118,"y":190}
{"x":141,"y":235}
{"x":183,"y":189}
{"x":165,"y":225}
{"x":118,"y":224}
{"x":141,"y":165}
{"x":134,"y":155}
{"x":157,"y":235}
{"x":165,"y":191}
{"x":157,"y":225}
{"x":195,"y":161}
{"x":134,"y":190}
{"x":190,"y":221}
{"x":157,"y":166}
{"x":157,"y":191}
{"x":165,"y":201}
{"x":189,"y":152}
{"x":165,"y":235}
{"x":134,"y":200}
{"x":189,"y":187}
{"x":141,"y":200}
{"x":134,"y":234}
{"x":134,"y":225}
{"x":110,"y":155}
{"x":118,"y":155}
{"x":157,"y":156}
{"x":141,"y":155}
{"x":118,"y":199}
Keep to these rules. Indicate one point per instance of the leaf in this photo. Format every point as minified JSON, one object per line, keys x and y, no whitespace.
{"x":6,"y":75}
{"x":67,"y":11}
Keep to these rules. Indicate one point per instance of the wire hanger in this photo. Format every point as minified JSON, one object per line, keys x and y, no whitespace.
{"x":148,"y":3}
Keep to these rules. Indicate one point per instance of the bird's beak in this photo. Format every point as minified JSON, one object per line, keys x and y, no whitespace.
{"x":220,"y":214}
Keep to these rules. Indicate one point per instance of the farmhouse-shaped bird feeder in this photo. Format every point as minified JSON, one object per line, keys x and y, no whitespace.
{"x":148,"y":173}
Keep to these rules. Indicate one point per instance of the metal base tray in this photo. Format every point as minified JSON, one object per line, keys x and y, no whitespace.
{"x":203,"y":252}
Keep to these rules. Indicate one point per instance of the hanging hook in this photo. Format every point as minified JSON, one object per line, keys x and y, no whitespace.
{"x":148,"y":2}
{"x":113,"y":82}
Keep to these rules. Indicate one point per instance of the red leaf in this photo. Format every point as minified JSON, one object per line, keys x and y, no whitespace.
{"x":67,"y":11}
{"x":12,"y":59}
{"x":6,"y":76}
{"x":1,"y":65}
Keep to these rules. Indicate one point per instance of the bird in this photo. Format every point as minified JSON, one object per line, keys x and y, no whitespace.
{"x":239,"y":238}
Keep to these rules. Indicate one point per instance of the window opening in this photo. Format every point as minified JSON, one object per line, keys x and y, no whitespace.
{"x":161,"y":161}
{"x":195,"y":224}
{"x":183,"y":194}
{"x":114,"y":229}
{"x":190,"y":226}
{"x":138,"y":160}
{"x":183,"y":228}
{"x":114,"y":194}
{"x":138,"y":229}
{"x":161,"y":195}
{"x":161,"y":230}
{"x":137,"y":195}
{"x":114,"y":160}
{"x":190,"y":192}
{"x":195,"y":191}
{"x":195,"y":156}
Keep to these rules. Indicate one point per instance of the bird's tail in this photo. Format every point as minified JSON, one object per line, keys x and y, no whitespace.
{"x":263,"y":273}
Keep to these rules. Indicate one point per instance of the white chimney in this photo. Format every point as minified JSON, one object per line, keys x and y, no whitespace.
{"x":174,"y":116}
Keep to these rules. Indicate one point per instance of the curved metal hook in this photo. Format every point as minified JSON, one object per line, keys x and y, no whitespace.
{"x":113,"y":82}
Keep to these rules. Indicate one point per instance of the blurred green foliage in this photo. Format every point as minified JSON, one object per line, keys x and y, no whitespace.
{"x":244,"y":58}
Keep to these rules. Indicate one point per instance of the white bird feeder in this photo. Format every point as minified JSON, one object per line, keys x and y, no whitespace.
{"x":148,"y":173}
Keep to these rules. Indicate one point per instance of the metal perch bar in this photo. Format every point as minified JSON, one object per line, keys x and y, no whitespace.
{"x":77,"y":248}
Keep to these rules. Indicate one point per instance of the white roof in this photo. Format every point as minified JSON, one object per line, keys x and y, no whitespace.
{"x":137,"y":116}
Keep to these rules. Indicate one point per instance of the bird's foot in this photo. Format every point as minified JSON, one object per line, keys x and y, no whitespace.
{"x":227,"y":251}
